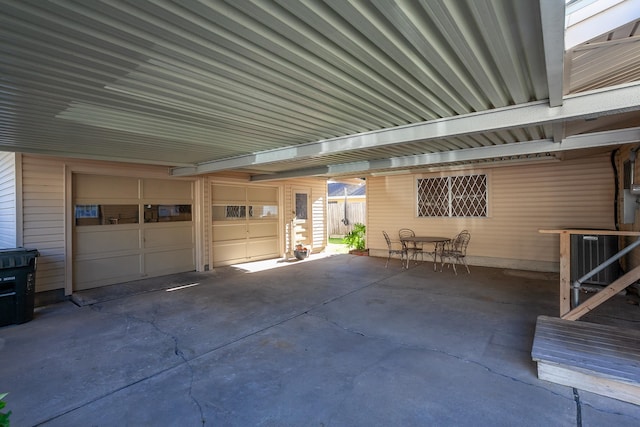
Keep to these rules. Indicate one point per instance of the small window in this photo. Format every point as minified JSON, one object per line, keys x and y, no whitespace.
{"x":167,"y":213}
{"x":106,"y":214}
{"x":301,"y":206}
{"x":454,"y":196}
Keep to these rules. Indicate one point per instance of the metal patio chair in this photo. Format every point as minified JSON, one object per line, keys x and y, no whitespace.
{"x":412,"y":248}
{"x":455,"y":251}
{"x":402,"y":251}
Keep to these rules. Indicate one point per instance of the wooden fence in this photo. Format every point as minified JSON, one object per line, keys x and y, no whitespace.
{"x":335,"y":211}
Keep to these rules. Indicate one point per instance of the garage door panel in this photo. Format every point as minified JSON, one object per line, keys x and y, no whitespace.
{"x":229,"y":232}
{"x":105,"y":187}
{"x":245,"y":223}
{"x":262,"y":194}
{"x":90,"y":273}
{"x":102,"y":241}
{"x":263,"y":229}
{"x":117,"y":252}
{"x":162,"y":189}
{"x":263,"y":248}
{"x":229,"y":251}
{"x":159,"y":237}
{"x":167,"y":262}
{"x":228,"y":193}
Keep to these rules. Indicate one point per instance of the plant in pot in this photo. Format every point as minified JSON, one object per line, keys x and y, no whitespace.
{"x":300,"y":252}
{"x":355,"y":239}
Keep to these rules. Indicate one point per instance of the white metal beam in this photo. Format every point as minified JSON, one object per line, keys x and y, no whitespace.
{"x":71,"y":155}
{"x":593,"y":104}
{"x":598,"y":17}
{"x":552,"y":15}
{"x":596,"y":139}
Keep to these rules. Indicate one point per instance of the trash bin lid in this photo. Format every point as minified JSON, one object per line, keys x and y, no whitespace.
{"x":17,"y":257}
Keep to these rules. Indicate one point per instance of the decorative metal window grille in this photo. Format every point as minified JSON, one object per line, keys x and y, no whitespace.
{"x":453,"y":196}
{"x":237,"y":212}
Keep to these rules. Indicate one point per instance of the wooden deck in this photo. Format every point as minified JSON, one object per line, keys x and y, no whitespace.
{"x":596,"y":358}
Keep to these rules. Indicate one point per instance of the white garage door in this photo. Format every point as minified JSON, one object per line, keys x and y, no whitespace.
{"x":245,"y":223}
{"x":128,"y":228}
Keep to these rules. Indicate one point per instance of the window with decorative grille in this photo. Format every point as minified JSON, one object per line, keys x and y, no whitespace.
{"x":452,"y":196}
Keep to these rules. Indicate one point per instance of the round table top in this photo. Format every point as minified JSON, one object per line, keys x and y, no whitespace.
{"x":424,"y":239}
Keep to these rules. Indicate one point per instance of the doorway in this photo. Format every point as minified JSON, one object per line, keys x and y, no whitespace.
{"x":302,"y":218}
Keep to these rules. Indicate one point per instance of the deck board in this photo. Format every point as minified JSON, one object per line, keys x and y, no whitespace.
{"x":588,"y":356}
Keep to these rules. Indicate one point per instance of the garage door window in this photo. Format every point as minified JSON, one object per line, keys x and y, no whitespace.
{"x":167,"y":213}
{"x":263,"y":212}
{"x":106,"y":214}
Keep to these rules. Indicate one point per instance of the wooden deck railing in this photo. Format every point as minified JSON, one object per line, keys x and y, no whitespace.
{"x":573,"y":313}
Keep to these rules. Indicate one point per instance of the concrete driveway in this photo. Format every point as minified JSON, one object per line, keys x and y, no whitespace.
{"x":333,"y":341}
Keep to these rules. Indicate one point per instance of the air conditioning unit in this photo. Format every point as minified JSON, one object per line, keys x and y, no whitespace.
{"x":588,"y":252}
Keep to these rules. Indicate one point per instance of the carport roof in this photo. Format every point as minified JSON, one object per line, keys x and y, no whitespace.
{"x":332,"y":88}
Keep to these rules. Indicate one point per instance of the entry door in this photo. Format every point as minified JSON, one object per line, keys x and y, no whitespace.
{"x":302,"y":221}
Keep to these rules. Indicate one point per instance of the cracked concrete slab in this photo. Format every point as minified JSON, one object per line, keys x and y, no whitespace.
{"x":329,"y":341}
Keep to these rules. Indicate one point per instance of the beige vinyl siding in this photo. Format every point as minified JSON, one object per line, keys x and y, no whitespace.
{"x":43,"y":218}
{"x":522,"y":199}
{"x":8,"y":201}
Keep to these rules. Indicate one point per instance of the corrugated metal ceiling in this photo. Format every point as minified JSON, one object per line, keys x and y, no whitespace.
{"x":187,"y":83}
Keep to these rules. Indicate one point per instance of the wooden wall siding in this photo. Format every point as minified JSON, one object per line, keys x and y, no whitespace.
{"x":8,"y":202}
{"x":522,"y":199}
{"x":43,"y":218}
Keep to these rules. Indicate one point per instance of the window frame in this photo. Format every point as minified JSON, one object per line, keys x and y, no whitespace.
{"x":451,"y":194}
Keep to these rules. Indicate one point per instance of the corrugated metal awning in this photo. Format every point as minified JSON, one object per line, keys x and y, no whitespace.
{"x":215,"y":86}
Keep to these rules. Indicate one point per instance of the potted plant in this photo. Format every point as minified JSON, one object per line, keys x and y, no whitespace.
{"x":355,"y":239}
{"x":300,"y":252}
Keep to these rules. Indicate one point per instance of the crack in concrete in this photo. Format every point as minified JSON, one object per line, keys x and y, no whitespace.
{"x":176,"y":350}
{"x":436,"y":350}
{"x":576,"y":398}
{"x":585,"y":404}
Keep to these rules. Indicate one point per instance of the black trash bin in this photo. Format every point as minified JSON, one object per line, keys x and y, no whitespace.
{"x":17,"y":285}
